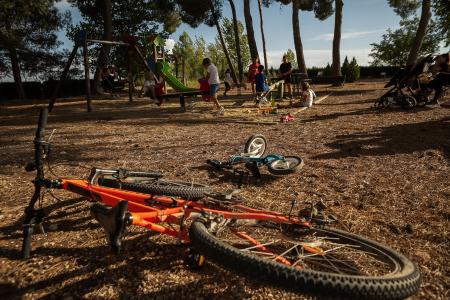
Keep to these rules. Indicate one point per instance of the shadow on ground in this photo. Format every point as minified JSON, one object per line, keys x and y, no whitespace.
{"x":396,"y":139}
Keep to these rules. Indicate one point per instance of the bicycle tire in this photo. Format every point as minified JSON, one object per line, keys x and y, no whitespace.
{"x":408,"y":102}
{"x":185,"y":190}
{"x":296,"y":164}
{"x":403,"y":282}
{"x":250,"y":143}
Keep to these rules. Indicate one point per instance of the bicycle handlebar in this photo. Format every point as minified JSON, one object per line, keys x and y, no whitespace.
{"x":41,"y":124}
{"x":35,"y":216}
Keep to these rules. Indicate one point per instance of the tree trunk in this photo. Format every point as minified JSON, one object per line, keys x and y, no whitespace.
{"x":336,"y":67}
{"x":421,"y":31}
{"x":16,"y":73}
{"x":225,"y":50}
{"x":183,"y":68}
{"x":250,"y":31}
{"x":107,"y":36}
{"x":297,"y":38}
{"x":238,"y":43}
{"x":262,"y":34}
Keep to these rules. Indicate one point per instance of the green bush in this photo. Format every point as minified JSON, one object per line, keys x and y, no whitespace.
{"x":353,"y":71}
{"x":345,"y":68}
{"x":327,"y":70}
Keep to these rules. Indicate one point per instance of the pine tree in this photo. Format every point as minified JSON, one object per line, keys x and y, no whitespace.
{"x":353,"y":71}
{"x":28,"y":38}
{"x":345,"y":68}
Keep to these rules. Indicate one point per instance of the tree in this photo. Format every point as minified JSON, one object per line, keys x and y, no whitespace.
{"x":441,"y":10}
{"x":230,"y":41}
{"x":322,"y":9}
{"x":405,"y":8}
{"x":215,"y":52}
{"x":291,"y":57}
{"x":195,"y":12}
{"x":200,"y":52}
{"x":184,"y":50}
{"x":237,"y":41}
{"x":28,"y":38}
{"x":336,"y":65}
{"x":394,"y":47}
{"x":345,"y":67}
{"x":250,"y":31}
{"x":353,"y":71}
{"x":327,"y":70}
{"x":261,"y":24}
{"x":118,"y":17}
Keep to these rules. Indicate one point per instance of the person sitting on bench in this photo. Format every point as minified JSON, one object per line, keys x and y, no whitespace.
{"x":153,"y":87}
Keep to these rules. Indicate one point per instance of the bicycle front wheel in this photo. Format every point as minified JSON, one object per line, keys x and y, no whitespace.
{"x":185,"y":190}
{"x":288,"y":165}
{"x":310,"y":260}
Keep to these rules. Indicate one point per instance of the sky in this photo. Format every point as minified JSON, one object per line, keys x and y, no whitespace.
{"x":364,"y":22}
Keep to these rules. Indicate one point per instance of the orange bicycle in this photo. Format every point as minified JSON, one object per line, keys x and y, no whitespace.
{"x":299,"y":252}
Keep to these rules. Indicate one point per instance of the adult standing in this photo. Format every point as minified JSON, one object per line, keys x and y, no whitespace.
{"x":213,"y":81}
{"x":285,"y":72}
{"x":252,"y":71}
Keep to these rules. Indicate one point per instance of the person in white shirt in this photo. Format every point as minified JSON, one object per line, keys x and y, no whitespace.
{"x":214,"y":82}
{"x":308,"y":95}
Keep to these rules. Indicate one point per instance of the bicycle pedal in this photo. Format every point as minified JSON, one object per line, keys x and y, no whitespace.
{"x":228,"y":194}
{"x":113,"y":221}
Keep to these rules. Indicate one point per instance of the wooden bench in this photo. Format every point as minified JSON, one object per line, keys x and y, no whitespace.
{"x":296,"y":81}
{"x":334,"y":80}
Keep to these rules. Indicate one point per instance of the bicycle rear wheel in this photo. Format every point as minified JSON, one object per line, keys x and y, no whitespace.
{"x":310,"y":260}
{"x":185,"y":190}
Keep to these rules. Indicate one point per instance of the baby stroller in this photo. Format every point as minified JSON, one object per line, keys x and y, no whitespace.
{"x":408,"y":86}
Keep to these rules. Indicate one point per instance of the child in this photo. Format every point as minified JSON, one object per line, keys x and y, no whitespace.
{"x":149,"y":85}
{"x":152,"y":87}
{"x":227,"y":81}
{"x":308,"y":95}
{"x":261,"y":86}
{"x":252,"y":72}
{"x":214,"y":82}
{"x":261,"y":81}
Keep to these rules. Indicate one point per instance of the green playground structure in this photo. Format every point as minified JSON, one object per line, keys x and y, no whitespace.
{"x":163,"y":68}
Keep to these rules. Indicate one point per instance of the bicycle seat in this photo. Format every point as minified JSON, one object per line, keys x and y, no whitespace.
{"x":114,"y":221}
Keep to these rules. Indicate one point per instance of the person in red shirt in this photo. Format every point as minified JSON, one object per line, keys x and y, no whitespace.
{"x":252,"y":71}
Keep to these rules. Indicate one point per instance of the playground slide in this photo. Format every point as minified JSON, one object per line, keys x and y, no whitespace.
{"x":164,"y":68}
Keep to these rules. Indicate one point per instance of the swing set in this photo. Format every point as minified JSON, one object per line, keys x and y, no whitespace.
{"x":82,"y":41}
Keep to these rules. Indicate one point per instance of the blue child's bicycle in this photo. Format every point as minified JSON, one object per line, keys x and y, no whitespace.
{"x":253,"y":158}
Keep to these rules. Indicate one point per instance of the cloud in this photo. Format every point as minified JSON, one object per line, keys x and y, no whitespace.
{"x":346,"y":35}
{"x":170,"y":43}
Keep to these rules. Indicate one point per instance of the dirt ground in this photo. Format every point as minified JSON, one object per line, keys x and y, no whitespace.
{"x":384,"y":173}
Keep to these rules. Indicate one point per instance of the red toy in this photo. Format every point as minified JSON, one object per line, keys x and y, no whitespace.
{"x":287,"y":118}
{"x":204,"y":87}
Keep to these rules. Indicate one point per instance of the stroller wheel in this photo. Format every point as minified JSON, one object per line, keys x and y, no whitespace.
{"x":408,"y":102}
{"x":423,"y":100}
{"x":383,"y":102}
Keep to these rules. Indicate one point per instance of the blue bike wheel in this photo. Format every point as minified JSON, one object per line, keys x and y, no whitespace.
{"x":256,"y":145}
{"x":288,"y":165}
